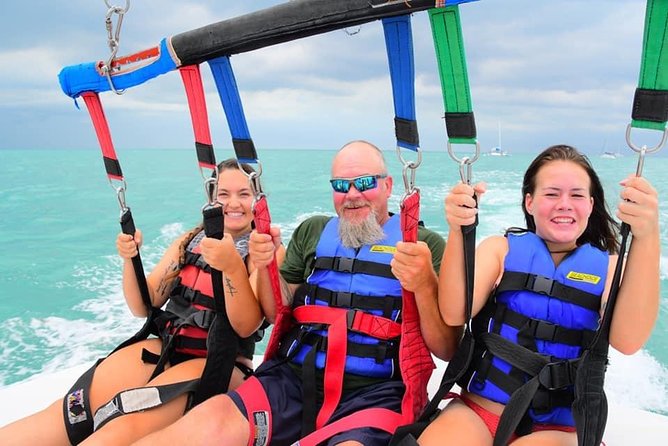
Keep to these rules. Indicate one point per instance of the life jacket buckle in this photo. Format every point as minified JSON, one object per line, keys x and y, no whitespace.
{"x":542,"y":330}
{"x":557,"y":375}
{"x":342,"y":299}
{"x":540,"y":284}
{"x":344,"y":264}
{"x":203,"y":318}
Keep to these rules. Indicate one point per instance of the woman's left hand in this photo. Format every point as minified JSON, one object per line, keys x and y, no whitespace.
{"x":220,"y":254}
{"x":639,"y":207}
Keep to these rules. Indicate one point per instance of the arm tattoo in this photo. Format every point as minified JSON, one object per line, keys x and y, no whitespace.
{"x":230,"y":287}
{"x":166,"y":280}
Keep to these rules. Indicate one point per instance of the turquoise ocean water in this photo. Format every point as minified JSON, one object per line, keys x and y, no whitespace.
{"x":60,"y":278}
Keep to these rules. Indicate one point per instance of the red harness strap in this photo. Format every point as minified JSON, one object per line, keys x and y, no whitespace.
{"x":415,"y":359}
{"x":99,"y":119}
{"x":258,"y":412}
{"x":384,"y":419}
{"x":339,"y":321}
{"x":283,"y":320}
{"x":192,"y":81}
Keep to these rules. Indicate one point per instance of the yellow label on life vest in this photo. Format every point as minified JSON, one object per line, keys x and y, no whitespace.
{"x":582,"y":277}
{"x":384,"y":249}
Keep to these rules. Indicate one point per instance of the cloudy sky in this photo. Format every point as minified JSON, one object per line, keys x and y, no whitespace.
{"x":541,"y":72}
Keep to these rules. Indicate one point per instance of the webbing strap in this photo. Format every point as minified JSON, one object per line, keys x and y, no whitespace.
{"x":114,"y":172}
{"x":96,"y":112}
{"x":650,"y":104}
{"x":399,"y":43}
{"x":335,"y":362}
{"x":449,"y":45}
{"x":236,"y":120}
{"x":192,"y":81}
{"x":222,"y":341}
{"x":383,"y":419}
{"x":415,"y":359}
{"x":282,"y":323}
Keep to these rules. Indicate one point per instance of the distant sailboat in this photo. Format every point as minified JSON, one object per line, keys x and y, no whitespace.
{"x":498,"y":151}
{"x":607,"y":154}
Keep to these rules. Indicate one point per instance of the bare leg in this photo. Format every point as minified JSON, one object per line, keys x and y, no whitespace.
{"x":457,"y":424}
{"x":214,"y":422}
{"x":124,"y":369}
{"x":50,"y":431}
{"x":548,"y":438}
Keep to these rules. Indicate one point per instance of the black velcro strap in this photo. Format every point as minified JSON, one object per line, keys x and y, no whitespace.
{"x":650,"y":105}
{"x":112,"y":166}
{"x":194,"y":259}
{"x":406,"y":130}
{"x":543,"y":330}
{"x":186,"y":343}
{"x":545,"y":401}
{"x":351,"y":265}
{"x":380,"y":352}
{"x":205,"y":153}
{"x":184,"y":297}
{"x":515,"y":281}
{"x":352,"y":300}
{"x":460,"y":125}
{"x":244,"y":149}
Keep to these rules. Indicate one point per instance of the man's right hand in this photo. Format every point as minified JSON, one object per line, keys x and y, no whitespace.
{"x":261,"y":247}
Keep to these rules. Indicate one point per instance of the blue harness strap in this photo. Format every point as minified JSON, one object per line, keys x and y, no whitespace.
{"x":399,"y":43}
{"x":221,"y":68}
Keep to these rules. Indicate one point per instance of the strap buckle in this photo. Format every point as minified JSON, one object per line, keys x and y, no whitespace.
{"x":557,"y":375}
{"x":540,"y":284}
{"x":344,"y":264}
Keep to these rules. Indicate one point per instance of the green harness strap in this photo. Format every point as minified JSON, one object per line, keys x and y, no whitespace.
{"x":449,"y":45}
{"x":650,"y":104}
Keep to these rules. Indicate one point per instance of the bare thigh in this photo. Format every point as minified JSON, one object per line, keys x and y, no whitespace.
{"x":131,"y":427}
{"x":457,"y":424}
{"x":548,"y":438}
{"x":122,"y":370}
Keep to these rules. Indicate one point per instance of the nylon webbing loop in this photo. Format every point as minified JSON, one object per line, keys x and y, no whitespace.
{"x":399,"y":43}
{"x":236,"y":120}
{"x":96,"y":112}
{"x":449,"y":45}
{"x":192,"y":81}
{"x":650,"y":104}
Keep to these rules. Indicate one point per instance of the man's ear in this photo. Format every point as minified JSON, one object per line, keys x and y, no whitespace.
{"x":388,"y":185}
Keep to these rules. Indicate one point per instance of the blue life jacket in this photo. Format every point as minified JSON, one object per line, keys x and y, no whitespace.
{"x":359,"y":279}
{"x":553,"y":311}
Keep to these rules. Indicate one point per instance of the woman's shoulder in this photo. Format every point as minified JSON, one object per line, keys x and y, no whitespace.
{"x":494,"y":244}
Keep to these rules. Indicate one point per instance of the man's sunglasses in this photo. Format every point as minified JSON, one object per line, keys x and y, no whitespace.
{"x":363,"y":183}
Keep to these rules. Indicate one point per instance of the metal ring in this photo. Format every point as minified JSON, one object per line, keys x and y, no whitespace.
{"x":637,"y":149}
{"x":476,"y":155}
{"x":414,"y":164}
{"x":109,"y":5}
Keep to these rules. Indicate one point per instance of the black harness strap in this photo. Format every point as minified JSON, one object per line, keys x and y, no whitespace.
{"x":222,"y":340}
{"x":354,"y":266}
{"x":515,"y":281}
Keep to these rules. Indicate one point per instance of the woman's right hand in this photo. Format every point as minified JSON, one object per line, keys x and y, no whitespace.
{"x":127,"y":245}
{"x":460,"y":204}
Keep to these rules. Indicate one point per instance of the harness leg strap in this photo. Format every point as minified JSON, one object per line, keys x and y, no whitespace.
{"x":76,"y":407}
{"x":383,"y":419}
{"x":258,"y":412}
{"x":140,"y":399}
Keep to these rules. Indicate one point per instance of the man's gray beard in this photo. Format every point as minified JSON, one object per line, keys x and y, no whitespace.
{"x":356,"y":235}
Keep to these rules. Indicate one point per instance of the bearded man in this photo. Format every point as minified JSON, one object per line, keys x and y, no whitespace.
{"x":355,"y":261}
